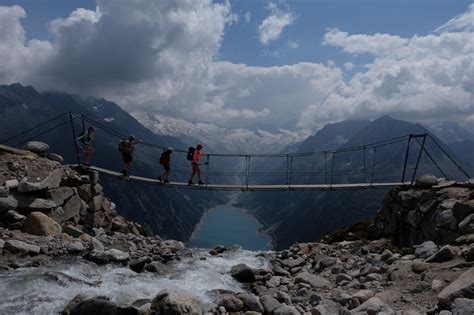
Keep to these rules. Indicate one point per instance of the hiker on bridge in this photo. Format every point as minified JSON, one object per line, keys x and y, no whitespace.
{"x":194,"y":154}
{"x":85,"y":143}
{"x":165,"y":160}
{"x":127,"y":147}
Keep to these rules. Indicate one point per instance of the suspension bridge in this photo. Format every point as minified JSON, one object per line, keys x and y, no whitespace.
{"x":361,"y":166}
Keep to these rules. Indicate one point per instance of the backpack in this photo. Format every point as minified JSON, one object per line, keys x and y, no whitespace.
{"x":123,"y":146}
{"x":190,"y":155}
{"x":165,"y":156}
{"x":85,"y":138}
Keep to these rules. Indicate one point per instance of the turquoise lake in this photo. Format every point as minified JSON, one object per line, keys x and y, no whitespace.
{"x":227,"y":225}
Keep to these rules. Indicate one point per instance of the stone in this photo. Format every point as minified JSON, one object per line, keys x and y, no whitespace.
{"x":31,"y":203}
{"x":446,"y":219}
{"x":120,"y":224}
{"x":292,"y":263}
{"x":155,"y":267}
{"x":446,"y":253}
{"x":463,"y":209}
{"x":314,"y":281}
{"x":4,"y":191}
{"x":117,"y":255}
{"x":363,"y":295}
{"x":466,"y":226}
{"x":26,"y":186}
{"x":436,"y":284}
{"x":96,"y":245}
{"x":75,"y":301}
{"x":36,"y":147}
{"x":327,"y":262}
{"x":283,"y":297}
{"x":319,"y":310}
{"x":73,"y":231}
{"x":138,"y":264}
{"x":426,"y":181}
{"x":8,"y":203}
{"x":286,"y":310}
{"x":343,"y":277}
{"x":13,"y":220}
{"x":55,"y":157}
{"x":390,"y":296}
{"x":419,"y":266}
{"x":11,"y":184}
{"x":219,"y":249}
{"x":101,"y":305}
{"x":269,"y":303}
{"x":462,"y":287}
{"x":279,"y":271}
{"x":372,"y":306}
{"x":374,"y":277}
{"x":96,"y":203}
{"x":426,"y":249}
{"x":2,"y":244}
{"x":230,"y":301}
{"x":20,"y":247}
{"x":469,"y":253}
{"x":75,"y":247}
{"x":465,"y":239}
{"x":38,"y":223}
{"x":176,"y":303}
{"x":60,"y":195}
{"x":251,"y":302}
{"x":243,"y":273}
{"x":463,"y":306}
{"x":72,"y":208}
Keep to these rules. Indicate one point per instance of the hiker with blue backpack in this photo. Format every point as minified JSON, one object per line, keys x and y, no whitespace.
{"x":85,"y":143}
{"x":194,"y":154}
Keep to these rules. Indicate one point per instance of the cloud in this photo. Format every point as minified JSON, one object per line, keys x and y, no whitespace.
{"x":247,"y":17}
{"x":348,"y":66}
{"x":293,"y":44}
{"x":272,"y":26}
{"x":463,"y":21}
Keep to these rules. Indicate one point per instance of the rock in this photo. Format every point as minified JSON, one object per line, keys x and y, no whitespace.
{"x":436,"y":284}
{"x":4,"y":191}
{"x":36,"y":147}
{"x":419,"y":266}
{"x":465,"y":239}
{"x":363,"y":295}
{"x":155,"y":267}
{"x":292,"y":263}
{"x":467,"y":224}
{"x":283,"y":297}
{"x":286,"y":310}
{"x":462,"y":287}
{"x":138,"y":265}
{"x":243,"y":273}
{"x":75,"y":247}
{"x":60,"y":195}
{"x":75,"y":301}
{"x":463,"y":209}
{"x":11,"y":184}
{"x":72,"y":208}
{"x":108,"y":256}
{"x":8,"y":203}
{"x":73,"y":231}
{"x":469,"y":253}
{"x":13,"y":220}
{"x":446,"y":253}
{"x":446,"y":219}
{"x":101,"y":305}
{"x":219,"y":249}
{"x":19,"y":247}
{"x":38,"y":223}
{"x":343,"y":277}
{"x":314,"y":281}
{"x":390,"y":296}
{"x":426,"y":181}
{"x":25,"y":186}
{"x":463,"y":306}
{"x":269,"y":303}
{"x":374,"y":277}
{"x":230,"y":301}
{"x":425,"y":249}
{"x":96,"y":245}
{"x":251,"y":302}
{"x":279,"y":271}
{"x":117,"y":255}
{"x":319,"y":310}
{"x":55,"y":157}
{"x":372,"y":306}
{"x":327,"y":262}
{"x":175,"y":303}
{"x":31,"y":203}
{"x":2,"y":244}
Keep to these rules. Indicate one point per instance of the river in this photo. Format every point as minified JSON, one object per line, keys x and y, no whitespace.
{"x":227,"y":225}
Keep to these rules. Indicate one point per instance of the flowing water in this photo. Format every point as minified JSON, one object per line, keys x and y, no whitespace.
{"x":227,"y":225}
{"x":47,"y":289}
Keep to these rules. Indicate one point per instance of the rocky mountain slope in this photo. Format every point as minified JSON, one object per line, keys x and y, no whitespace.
{"x":58,"y":228}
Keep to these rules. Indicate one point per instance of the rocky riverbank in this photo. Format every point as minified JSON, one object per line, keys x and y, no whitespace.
{"x":416,"y":258}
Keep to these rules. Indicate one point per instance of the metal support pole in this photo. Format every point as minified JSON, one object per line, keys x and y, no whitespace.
{"x":418,"y":159}
{"x":247,"y":160}
{"x":71,"y":119}
{"x":406,"y":158}
{"x":325,"y":168}
{"x":287,"y":168}
{"x":83,"y":124}
{"x":207,"y":168}
{"x":291,"y":170}
{"x":364,"y":163}
{"x":373,"y":166}
{"x":332,"y":166}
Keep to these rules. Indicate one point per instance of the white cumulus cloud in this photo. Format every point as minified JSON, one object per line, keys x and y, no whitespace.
{"x":273,"y":25}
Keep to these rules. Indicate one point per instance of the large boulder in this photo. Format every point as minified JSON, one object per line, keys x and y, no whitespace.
{"x":101,"y":305}
{"x":8,"y":203}
{"x":36,"y":147}
{"x":462,"y":287}
{"x":55,"y":157}
{"x":467,"y":224}
{"x":463,"y":306}
{"x":52,"y":181}
{"x":372,"y":306}
{"x":446,"y":253}
{"x":286,"y":310}
{"x":243,"y":273}
{"x":175,"y":303}
{"x":4,"y":191}
{"x":20,"y":247}
{"x":463,"y":209}
{"x":38,"y":223}
{"x":426,"y":249}
{"x":230,"y":301}
{"x":251,"y":302}
{"x":72,"y":208}
{"x":270,"y":304}
{"x":426,"y":181}
{"x":27,"y":203}
{"x":314,"y":281}
{"x":60,"y":195}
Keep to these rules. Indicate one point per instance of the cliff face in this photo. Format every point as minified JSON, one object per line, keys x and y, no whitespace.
{"x":433,"y":210}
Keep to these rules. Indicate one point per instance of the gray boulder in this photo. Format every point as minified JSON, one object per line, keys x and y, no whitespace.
{"x":446,"y":219}
{"x":31,"y":203}
{"x":446,"y":253}
{"x":426,"y":249}
{"x":8,"y":203}
{"x":243,"y":273}
{"x":36,"y":147}
{"x":73,"y":230}
{"x":101,"y":305}
{"x":463,"y":209}
{"x":314,"y":281}
{"x":469,"y":253}
{"x":230,"y":301}
{"x":55,"y":157}
{"x":372,"y":306}
{"x":138,"y":264}
{"x":270,"y":304}
{"x":22,"y":248}
{"x":38,"y":223}
{"x":462,"y":287}
{"x":11,"y":184}
{"x":72,"y":208}
{"x":13,"y":220}
{"x":75,"y":247}
{"x":467,"y":224}
{"x":426,"y":181}
{"x":286,"y":310}
{"x":251,"y":302}
{"x":175,"y":303}
{"x":463,"y":306}
{"x":4,"y":191}
{"x":60,"y":195}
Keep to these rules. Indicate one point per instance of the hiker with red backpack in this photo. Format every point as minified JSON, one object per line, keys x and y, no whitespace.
{"x":194,"y":154}
{"x":165,"y":160}
{"x":127,"y":147}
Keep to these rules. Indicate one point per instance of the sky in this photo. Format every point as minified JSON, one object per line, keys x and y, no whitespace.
{"x":268,"y":71}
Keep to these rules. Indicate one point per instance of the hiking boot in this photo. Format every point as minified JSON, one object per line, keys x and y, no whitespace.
{"x":190,"y":183}
{"x":166,"y":181}
{"x":124,"y":173}
{"x":201,"y":183}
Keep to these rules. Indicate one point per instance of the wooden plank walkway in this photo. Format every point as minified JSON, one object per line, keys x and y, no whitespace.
{"x":295,"y":187}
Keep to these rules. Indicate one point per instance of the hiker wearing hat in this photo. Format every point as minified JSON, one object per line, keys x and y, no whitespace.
{"x":127,"y":147}
{"x":195,"y":164}
{"x":85,"y":143}
{"x":165,"y":160}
